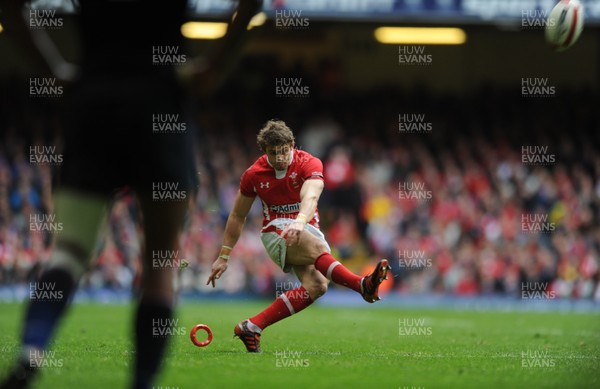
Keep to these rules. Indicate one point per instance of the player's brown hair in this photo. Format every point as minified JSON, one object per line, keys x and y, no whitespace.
{"x":274,"y":133}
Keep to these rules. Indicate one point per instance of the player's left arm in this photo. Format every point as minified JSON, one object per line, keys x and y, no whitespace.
{"x":309,"y":198}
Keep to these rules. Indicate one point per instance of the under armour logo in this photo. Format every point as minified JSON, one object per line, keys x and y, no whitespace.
{"x":264,"y":185}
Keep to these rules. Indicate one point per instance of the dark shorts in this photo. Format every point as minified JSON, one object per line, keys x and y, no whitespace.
{"x":127,"y":132}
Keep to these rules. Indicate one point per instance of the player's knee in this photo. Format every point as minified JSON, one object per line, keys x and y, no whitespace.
{"x":313,"y":245}
{"x":317,"y":289}
{"x":322,"y":288}
{"x":70,"y":257}
{"x":319,"y":248}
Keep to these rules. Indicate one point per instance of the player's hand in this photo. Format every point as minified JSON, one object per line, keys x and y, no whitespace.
{"x":66,"y":72}
{"x":219,"y":266}
{"x":291,"y":234}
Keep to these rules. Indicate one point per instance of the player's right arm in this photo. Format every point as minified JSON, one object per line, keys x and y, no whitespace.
{"x":35,"y":44}
{"x":233,"y":229}
{"x":206,"y":74}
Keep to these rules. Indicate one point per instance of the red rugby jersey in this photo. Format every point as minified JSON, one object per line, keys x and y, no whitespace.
{"x":280,"y":197}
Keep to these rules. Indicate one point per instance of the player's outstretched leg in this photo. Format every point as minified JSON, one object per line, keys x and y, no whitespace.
{"x":370,"y":284}
{"x":367,"y":286}
{"x":293,"y":301}
{"x":312,"y":250}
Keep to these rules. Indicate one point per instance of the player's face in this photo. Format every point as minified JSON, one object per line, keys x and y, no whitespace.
{"x":279,"y":156}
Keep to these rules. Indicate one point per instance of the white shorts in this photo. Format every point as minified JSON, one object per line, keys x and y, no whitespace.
{"x":275,"y":244}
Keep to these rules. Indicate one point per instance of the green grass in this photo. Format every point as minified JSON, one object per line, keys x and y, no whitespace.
{"x":342,"y":348}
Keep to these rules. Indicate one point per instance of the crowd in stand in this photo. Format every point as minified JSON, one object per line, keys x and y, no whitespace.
{"x":490,"y":194}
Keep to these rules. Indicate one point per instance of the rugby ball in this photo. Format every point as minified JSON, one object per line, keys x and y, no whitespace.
{"x":564,"y":24}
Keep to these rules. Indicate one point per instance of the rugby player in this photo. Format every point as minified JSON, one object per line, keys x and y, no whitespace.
{"x":289,"y":183}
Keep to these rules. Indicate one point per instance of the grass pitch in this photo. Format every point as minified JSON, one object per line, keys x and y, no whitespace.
{"x":324,"y":347}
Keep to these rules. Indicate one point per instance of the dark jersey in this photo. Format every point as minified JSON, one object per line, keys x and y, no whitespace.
{"x":126,"y":120}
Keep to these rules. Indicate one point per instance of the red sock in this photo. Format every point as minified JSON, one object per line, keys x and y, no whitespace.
{"x":292,"y":301}
{"x":337,"y":272}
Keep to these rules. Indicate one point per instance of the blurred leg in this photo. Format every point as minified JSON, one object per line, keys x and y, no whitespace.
{"x":162,"y":223}
{"x":80,"y":215}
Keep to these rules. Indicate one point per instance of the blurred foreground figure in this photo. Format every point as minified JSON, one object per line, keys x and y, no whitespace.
{"x":116,"y":137}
